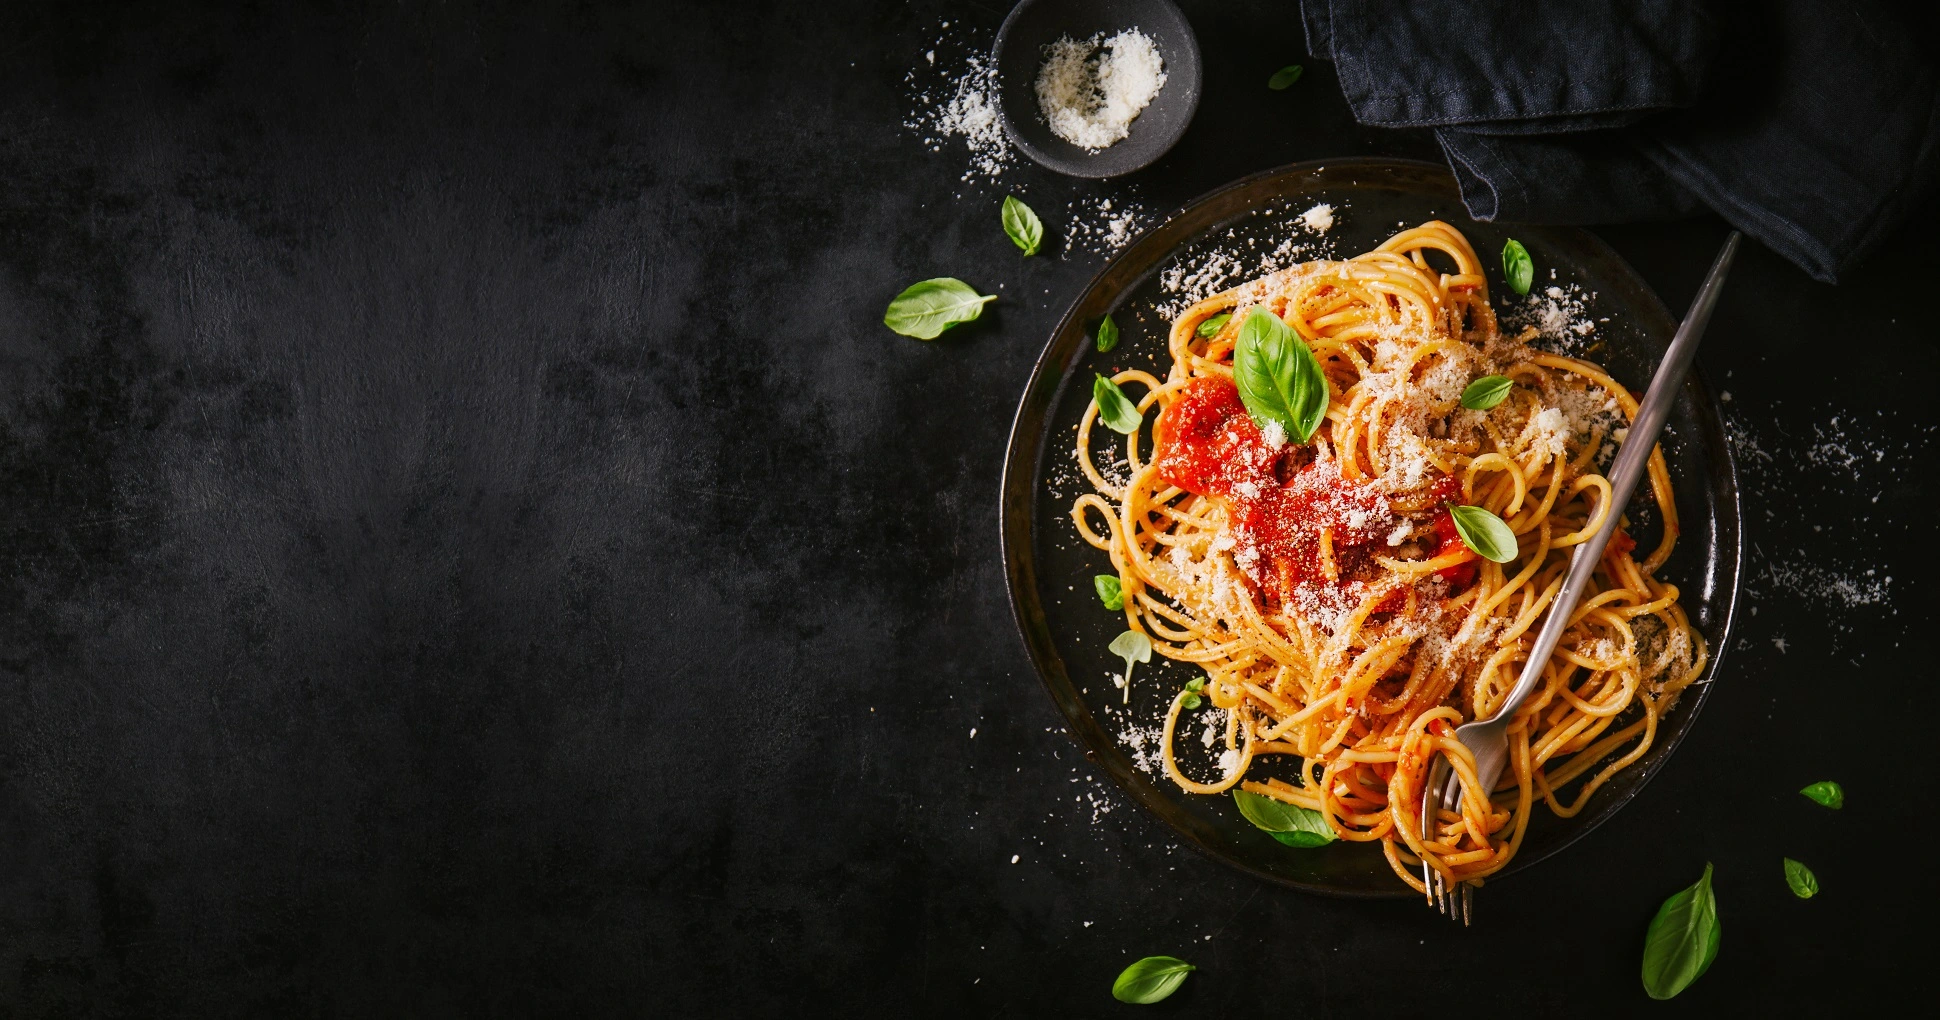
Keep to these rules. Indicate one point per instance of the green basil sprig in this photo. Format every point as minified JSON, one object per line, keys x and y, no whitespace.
{"x":1150,"y":980}
{"x":1484,"y":533}
{"x":1284,"y":77}
{"x":1804,"y":883}
{"x":1517,"y":267}
{"x":1193,"y":687}
{"x":1110,"y":591}
{"x":1682,"y":941}
{"x":924,"y":310}
{"x":1486,"y":392}
{"x":1107,"y":334}
{"x":1117,"y":410}
{"x":1279,"y":378}
{"x":1211,"y":327}
{"x":1025,"y":230}
{"x":1131,"y":646}
{"x":1289,"y":823}
{"x":1826,"y":794}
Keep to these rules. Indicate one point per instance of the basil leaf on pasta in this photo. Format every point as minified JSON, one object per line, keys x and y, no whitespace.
{"x":1289,"y":823}
{"x":1804,"y":883}
{"x":1193,"y":689}
{"x":1132,"y":646}
{"x":1110,"y":591}
{"x":1484,"y":533}
{"x":1150,"y":980}
{"x":1682,"y":940}
{"x":1107,"y":334}
{"x":1114,"y":407}
{"x":1826,"y":794}
{"x":1278,"y":377}
{"x":925,"y":309}
{"x":1284,"y":77}
{"x":1023,"y":227}
{"x":1486,"y":392}
{"x":1517,"y":267}
{"x":1211,"y":327}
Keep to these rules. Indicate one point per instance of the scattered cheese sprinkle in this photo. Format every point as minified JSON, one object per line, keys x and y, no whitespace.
{"x":1090,"y":91}
{"x":1319,"y":219}
{"x":964,"y":106}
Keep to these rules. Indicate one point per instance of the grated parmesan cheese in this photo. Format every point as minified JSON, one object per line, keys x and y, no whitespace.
{"x":1319,"y":219}
{"x":1550,"y":432}
{"x":1090,"y":91}
{"x":966,"y":109}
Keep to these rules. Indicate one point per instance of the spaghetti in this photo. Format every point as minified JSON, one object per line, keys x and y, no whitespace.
{"x":1322,"y":586}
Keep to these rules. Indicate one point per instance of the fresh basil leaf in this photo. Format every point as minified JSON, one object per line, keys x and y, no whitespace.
{"x":1196,"y":684}
{"x":1211,"y":327}
{"x":1487,"y":392}
{"x":1131,"y":646}
{"x":1117,"y":410}
{"x":1682,"y":941}
{"x":1827,"y":794}
{"x":1804,"y":883}
{"x":1284,"y":76}
{"x":1517,"y":267}
{"x":1023,"y":227}
{"x":1107,"y":334}
{"x":1110,"y":592}
{"x":1289,"y":823}
{"x":1192,"y":701}
{"x":1150,"y":980}
{"x":924,"y":310}
{"x":1278,"y":377}
{"x":1484,"y":533}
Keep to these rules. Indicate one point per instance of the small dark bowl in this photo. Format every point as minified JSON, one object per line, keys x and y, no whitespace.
{"x":1035,"y":24}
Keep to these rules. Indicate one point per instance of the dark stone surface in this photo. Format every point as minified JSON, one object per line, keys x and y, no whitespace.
{"x":472,"y":549}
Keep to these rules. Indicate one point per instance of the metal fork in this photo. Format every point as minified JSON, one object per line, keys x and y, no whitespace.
{"x":1488,"y":739}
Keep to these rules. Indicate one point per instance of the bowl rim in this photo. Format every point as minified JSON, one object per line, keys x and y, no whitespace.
{"x":1087,"y":166}
{"x":1018,"y":483}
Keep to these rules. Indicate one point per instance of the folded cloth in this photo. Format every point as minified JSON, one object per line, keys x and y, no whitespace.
{"x":1811,"y":126}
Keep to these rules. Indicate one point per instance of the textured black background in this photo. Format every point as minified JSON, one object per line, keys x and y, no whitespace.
{"x":471,"y":548}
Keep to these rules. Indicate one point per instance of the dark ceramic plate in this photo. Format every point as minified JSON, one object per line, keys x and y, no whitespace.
{"x":1034,"y":24}
{"x":1049,"y":568}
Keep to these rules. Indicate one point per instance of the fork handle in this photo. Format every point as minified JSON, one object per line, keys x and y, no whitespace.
{"x":1628,"y":470}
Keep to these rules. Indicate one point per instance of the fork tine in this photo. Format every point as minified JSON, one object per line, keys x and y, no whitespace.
{"x":1427,"y":813}
{"x":1468,"y":903}
{"x":1451,"y":795}
{"x":1431,"y":798}
{"x":1447,"y":776}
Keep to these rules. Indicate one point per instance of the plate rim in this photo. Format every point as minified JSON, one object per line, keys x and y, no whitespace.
{"x":1017,"y":489}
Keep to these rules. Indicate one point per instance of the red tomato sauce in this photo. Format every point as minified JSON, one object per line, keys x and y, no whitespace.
{"x":1447,"y":540}
{"x":1280,"y":501}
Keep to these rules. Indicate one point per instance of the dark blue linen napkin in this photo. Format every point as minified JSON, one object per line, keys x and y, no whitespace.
{"x":1812,"y":126}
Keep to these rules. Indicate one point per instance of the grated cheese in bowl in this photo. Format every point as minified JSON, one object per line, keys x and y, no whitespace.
{"x":1091,"y":90}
